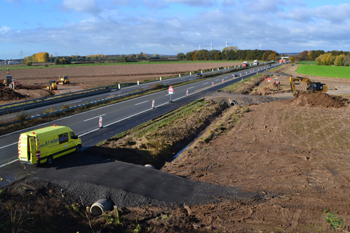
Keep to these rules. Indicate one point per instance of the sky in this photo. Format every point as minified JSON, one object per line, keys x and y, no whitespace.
{"x":169,"y":27}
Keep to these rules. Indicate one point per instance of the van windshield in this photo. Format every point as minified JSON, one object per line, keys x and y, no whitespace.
{"x":72,"y":135}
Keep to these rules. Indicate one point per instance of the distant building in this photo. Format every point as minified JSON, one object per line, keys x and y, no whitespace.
{"x":13,"y":62}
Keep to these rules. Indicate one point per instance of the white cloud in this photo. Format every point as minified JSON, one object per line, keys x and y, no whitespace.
{"x":4,"y":29}
{"x":193,"y":2}
{"x":81,"y":6}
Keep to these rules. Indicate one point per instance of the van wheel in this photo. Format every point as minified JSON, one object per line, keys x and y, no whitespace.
{"x":78,"y":149}
{"x":49,"y":160}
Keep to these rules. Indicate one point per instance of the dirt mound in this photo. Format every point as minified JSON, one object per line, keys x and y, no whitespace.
{"x":319,"y":100}
{"x":9,"y":94}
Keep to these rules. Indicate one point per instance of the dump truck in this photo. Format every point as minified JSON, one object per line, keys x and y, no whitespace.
{"x":52,"y":85}
{"x":245,"y":64}
{"x":63,"y":80}
{"x":46,"y":144}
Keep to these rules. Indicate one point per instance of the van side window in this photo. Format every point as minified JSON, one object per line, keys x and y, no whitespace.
{"x":72,"y":135}
{"x":63,"y":138}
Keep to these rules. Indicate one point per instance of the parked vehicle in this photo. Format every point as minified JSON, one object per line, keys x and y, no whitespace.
{"x":46,"y":144}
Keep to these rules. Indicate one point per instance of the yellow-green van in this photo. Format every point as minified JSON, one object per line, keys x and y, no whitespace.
{"x":45,"y":144}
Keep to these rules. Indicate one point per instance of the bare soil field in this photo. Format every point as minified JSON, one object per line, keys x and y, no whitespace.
{"x":94,"y":76}
{"x":293,"y":154}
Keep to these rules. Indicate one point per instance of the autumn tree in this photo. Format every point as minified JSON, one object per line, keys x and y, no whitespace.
{"x":339,"y":60}
{"x":180,"y":56}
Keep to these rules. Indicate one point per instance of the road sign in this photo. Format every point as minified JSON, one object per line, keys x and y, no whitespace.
{"x":171,"y":90}
{"x":100,"y":122}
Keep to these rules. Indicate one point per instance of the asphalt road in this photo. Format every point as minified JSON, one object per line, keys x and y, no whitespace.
{"x":137,"y":110}
{"x":113,"y":93}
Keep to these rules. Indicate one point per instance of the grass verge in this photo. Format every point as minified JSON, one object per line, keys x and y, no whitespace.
{"x":157,"y":141}
{"x":325,"y":71}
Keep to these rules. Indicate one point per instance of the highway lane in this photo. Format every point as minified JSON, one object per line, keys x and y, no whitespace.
{"x":87,"y":122}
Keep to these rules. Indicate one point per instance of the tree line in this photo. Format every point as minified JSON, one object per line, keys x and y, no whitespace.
{"x":335,"y":57}
{"x":228,"y":53}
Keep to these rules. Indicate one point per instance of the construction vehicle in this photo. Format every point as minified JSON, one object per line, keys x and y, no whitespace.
{"x":52,"y":85}
{"x":275,"y":81}
{"x":312,"y":87}
{"x":8,"y":78}
{"x":63,"y":80}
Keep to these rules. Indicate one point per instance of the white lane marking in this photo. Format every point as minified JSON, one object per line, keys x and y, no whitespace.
{"x":5,"y":164}
{"x":80,"y":135}
{"x":205,"y":83}
{"x":142,"y":102}
{"x":94,"y":117}
{"x":128,"y":117}
{"x":8,"y":145}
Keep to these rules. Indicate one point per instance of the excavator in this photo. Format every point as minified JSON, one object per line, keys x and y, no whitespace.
{"x":312,"y":87}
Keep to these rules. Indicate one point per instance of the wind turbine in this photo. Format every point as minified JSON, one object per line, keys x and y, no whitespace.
{"x":199,"y":47}
{"x":260,"y":46}
{"x":226,"y":43}
{"x":211,"y":45}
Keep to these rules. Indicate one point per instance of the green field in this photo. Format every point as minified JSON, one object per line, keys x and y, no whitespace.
{"x":307,"y":63}
{"x":325,"y":71}
{"x":14,"y":67}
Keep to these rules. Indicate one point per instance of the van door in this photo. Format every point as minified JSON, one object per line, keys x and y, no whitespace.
{"x":31,"y":150}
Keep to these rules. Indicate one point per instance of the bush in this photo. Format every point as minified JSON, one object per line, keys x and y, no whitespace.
{"x":29,"y":63}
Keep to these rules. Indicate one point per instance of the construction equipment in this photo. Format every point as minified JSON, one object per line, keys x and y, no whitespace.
{"x":8,"y":78}
{"x":63,"y":80}
{"x":275,"y":81}
{"x":312,"y":87}
{"x":52,"y":85}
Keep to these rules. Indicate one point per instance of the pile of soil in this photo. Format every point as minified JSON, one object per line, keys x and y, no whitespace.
{"x":319,"y":100}
{"x":9,"y":94}
{"x":272,"y":88}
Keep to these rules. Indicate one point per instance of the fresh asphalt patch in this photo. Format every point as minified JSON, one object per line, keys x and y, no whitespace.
{"x":89,"y":177}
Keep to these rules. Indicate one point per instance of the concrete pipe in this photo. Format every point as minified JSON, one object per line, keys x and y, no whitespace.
{"x":149,"y":166}
{"x":100,"y":206}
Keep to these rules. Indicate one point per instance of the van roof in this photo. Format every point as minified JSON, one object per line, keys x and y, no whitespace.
{"x":46,"y":129}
